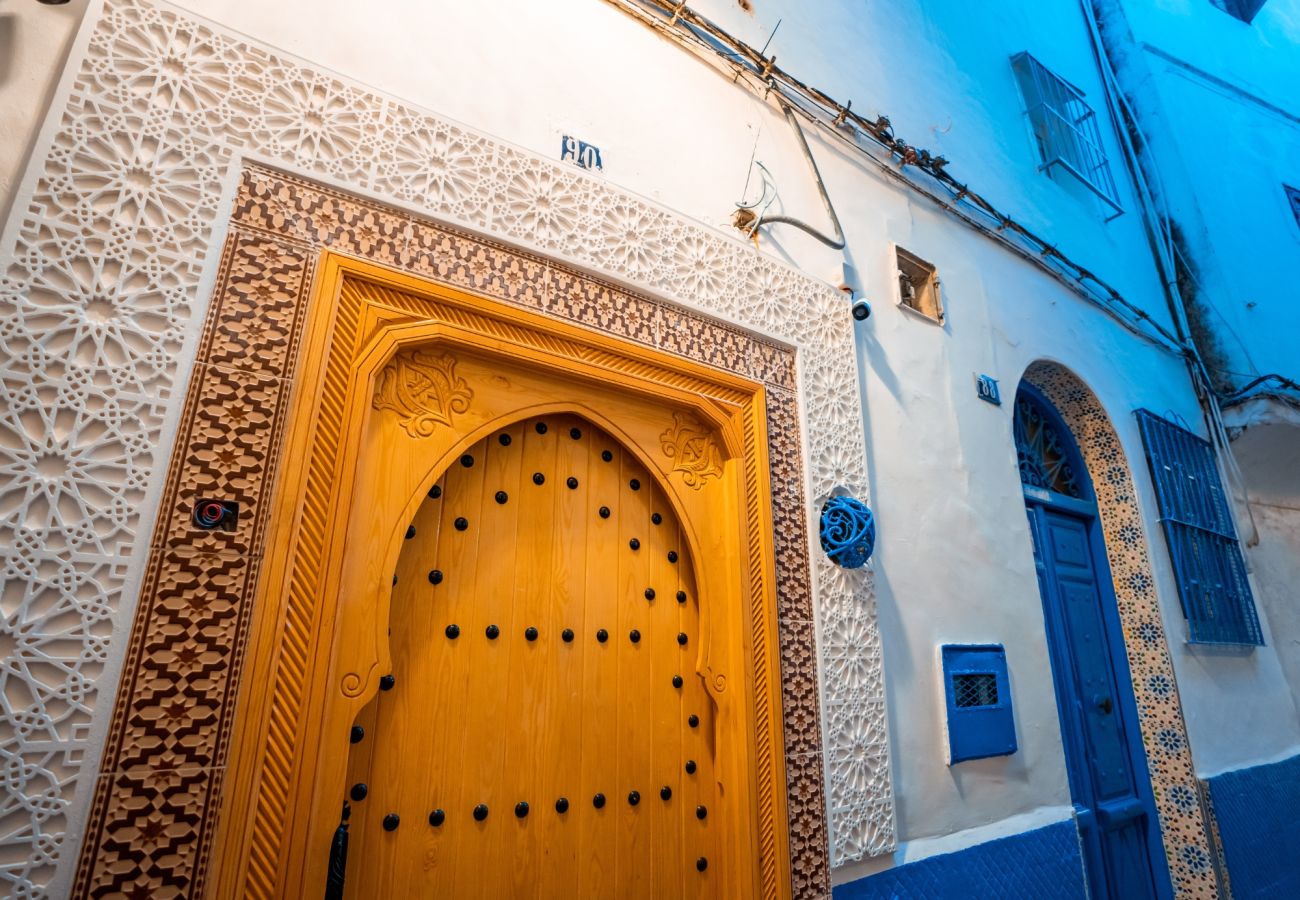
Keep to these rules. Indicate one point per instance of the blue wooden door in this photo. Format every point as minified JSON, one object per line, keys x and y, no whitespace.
{"x":1107,"y":766}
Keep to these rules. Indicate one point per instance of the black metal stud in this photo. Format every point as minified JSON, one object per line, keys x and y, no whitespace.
{"x":634,"y":544}
{"x":539,"y":478}
{"x":677,"y":681}
{"x":386,"y":683}
{"x":435,"y":492}
{"x":602,"y":635}
{"x":461,"y":523}
{"x":634,"y":636}
{"x":453,"y":631}
{"x":598,"y":801}
{"x":606,"y":455}
{"x":394,"y":581}
{"x":681,"y":638}
{"x":567,"y":635}
{"x":672,"y":556}
{"x":690,"y":767}
{"x":656,"y":518}
{"x":467,"y":460}
{"x":634,"y":484}
{"x":356,"y":735}
{"x":541,"y":427}
{"x":437,"y":817}
{"x":701,"y":864}
{"x":435,"y":576}
{"x":521,"y":809}
{"x":665,"y":793}
{"x":530,"y":633}
{"x":358,"y":792}
{"x":633,"y":798}
{"x":410,"y":532}
{"x":604,"y":512}
{"x":575,"y":433}
{"x":681,"y":596}
{"x":391,"y":821}
{"x":562,"y":805}
{"x":504,"y":440}
{"x":701,"y":812}
{"x":649,"y":593}
{"x":572,"y":483}
{"x":693,"y":720}
{"x":502,"y":497}
{"x":480,"y":812}
{"x":492,"y":631}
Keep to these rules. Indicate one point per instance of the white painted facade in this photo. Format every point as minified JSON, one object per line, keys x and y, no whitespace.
{"x":1217,"y":101}
{"x":954,"y":561}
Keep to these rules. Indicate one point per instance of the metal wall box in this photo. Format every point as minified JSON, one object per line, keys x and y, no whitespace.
{"x":977,"y":694}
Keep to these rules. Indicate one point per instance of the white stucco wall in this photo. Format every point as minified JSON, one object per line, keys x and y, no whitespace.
{"x":1227,"y":138}
{"x":954,"y":562}
{"x":34,"y":41}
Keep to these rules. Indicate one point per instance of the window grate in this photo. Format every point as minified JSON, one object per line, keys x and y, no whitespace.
{"x":1065,"y":128}
{"x":1208,"y":564}
{"x":975,"y":689}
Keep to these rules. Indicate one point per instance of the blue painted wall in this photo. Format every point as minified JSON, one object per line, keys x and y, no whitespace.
{"x":1043,"y":864}
{"x":1260,"y":827}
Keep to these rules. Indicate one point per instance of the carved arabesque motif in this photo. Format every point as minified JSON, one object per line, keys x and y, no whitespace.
{"x":100,"y":269}
{"x":693,"y":451}
{"x":422,"y":387}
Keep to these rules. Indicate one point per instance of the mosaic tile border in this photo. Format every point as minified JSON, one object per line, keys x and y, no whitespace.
{"x":101,"y":267}
{"x":151,"y":829}
{"x":1160,"y":714}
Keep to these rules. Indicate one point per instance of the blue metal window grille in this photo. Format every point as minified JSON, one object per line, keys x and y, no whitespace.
{"x":1208,"y":564}
{"x":1046,"y":454}
{"x":975,"y":689}
{"x":1065,"y":128}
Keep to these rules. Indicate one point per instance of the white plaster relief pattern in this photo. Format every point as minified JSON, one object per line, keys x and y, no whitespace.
{"x":99,"y":291}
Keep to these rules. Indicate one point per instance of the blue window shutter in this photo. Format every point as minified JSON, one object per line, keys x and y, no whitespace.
{"x":1208,"y":564}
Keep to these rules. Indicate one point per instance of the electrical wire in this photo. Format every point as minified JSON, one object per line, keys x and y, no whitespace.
{"x":761,"y":75}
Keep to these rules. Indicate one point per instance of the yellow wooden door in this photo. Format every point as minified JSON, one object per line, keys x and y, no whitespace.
{"x":544,"y":732}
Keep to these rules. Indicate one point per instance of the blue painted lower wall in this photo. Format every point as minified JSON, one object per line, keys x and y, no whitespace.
{"x":1043,"y":864}
{"x":1259,"y":822}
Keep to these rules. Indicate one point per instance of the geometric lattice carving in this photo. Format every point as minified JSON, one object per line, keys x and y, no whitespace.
{"x":100,"y":273}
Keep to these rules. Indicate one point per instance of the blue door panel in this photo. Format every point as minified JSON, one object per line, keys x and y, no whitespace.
{"x":1112,"y":800}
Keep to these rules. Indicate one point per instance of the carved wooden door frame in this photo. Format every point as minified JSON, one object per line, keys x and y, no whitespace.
{"x":452,"y":366}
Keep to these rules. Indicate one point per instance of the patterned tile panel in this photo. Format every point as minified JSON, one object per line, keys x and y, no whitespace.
{"x":1043,"y":864}
{"x":1160,"y":715}
{"x":228,"y":445}
{"x":100,"y":269}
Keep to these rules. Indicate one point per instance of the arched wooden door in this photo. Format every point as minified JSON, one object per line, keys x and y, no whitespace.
{"x":543,"y":733}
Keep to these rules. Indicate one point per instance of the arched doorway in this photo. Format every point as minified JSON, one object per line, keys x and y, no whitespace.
{"x":1108,"y":770}
{"x":407,"y":385}
{"x":542,"y":627}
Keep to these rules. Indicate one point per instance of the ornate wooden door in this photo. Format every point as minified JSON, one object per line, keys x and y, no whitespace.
{"x":544,"y":732}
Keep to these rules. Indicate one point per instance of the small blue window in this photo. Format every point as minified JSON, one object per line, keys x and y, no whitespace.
{"x":978,"y":699}
{"x":1208,"y":564}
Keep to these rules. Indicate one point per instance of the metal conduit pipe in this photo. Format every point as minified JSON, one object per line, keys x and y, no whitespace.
{"x":837,"y":241}
{"x":683,"y":25}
